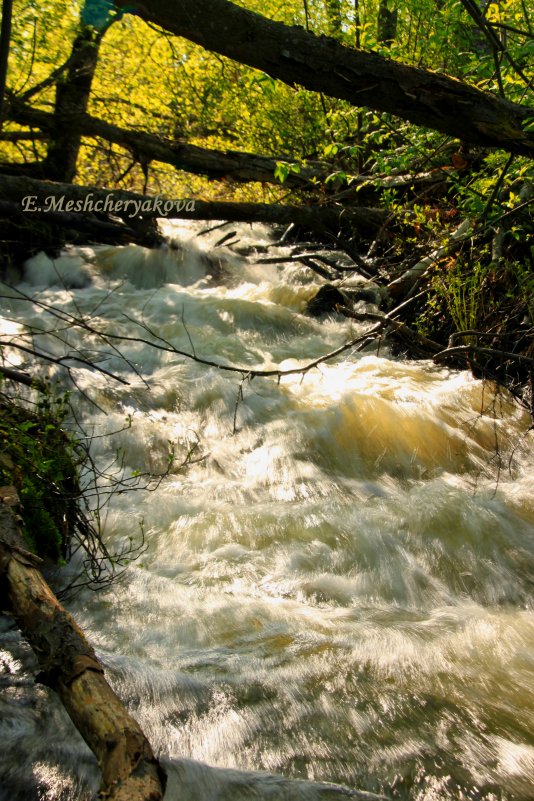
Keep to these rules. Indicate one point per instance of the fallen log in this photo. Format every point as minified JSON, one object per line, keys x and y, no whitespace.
{"x":229,"y":165}
{"x":101,"y":231}
{"x":406,"y":283}
{"x":47,"y":197}
{"x":130,"y":771}
{"x":216,"y":165}
{"x":322,"y":64}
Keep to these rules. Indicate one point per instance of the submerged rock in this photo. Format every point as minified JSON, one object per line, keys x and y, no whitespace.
{"x":326,"y":300}
{"x":194,"y":781}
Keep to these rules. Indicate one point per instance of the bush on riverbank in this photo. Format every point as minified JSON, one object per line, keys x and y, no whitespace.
{"x":38,"y":457}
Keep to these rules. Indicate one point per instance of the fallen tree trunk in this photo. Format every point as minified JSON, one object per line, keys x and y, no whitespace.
{"x":232,"y":165}
{"x":42,"y":197}
{"x":130,"y":771}
{"x":407,"y":282}
{"x":144,"y":147}
{"x":102,"y":231}
{"x":322,"y":64}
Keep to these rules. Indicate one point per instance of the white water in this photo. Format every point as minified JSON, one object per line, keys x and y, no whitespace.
{"x":340,"y":591}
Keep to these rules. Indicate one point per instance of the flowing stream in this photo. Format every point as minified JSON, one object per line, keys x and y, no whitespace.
{"x":336,"y":593}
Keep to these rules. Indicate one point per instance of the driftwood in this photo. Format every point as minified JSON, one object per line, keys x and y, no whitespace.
{"x":130,"y":771}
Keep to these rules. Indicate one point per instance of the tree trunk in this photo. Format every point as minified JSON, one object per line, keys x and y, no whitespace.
{"x":130,"y":771}
{"x":215,"y":164}
{"x":5,"y":42}
{"x":321,"y":64}
{"x":72,"y":97}
{"x":387,"y":23}
{"x":41,"y":198}
{"x":333,"y":12}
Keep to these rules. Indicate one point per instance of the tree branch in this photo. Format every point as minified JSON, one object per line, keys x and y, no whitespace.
{"x":322,"y":64}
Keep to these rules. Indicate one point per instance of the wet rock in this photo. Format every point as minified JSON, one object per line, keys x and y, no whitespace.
{"x":366,"y":292}
{"x":326,"y":300}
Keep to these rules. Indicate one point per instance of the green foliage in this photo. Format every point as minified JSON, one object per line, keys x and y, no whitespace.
{"x":471,"y":292}
{"x":283,"y":169}
{"x":522,"y":280}
{"x":149,"y":80}
{"x":40,"y":531}
{"x":461,"y":286}
{"x":38,"y":457}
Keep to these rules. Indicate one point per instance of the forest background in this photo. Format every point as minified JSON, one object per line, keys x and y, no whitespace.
{"x":101,"y":97}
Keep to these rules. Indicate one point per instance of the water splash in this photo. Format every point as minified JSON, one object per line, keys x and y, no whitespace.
{"x":340,"y":591}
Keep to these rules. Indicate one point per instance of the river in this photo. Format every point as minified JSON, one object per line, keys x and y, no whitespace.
{"x":337,"y":590}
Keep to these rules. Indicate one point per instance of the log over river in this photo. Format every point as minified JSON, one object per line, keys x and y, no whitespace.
{"x":336,"y":594}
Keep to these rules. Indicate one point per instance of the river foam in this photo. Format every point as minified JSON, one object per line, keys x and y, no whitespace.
{"x":338,"y":590}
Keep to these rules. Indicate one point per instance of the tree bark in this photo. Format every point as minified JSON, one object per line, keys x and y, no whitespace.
{"x":386,"y":23}
{"x":130,"y":771}
{"x":48,"y":197}
{"x":321,"y":64}
{"x":214,"y":164}
{"x":72,"y":97}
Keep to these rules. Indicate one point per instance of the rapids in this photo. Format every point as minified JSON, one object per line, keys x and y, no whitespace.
{"x":338,"y":591}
